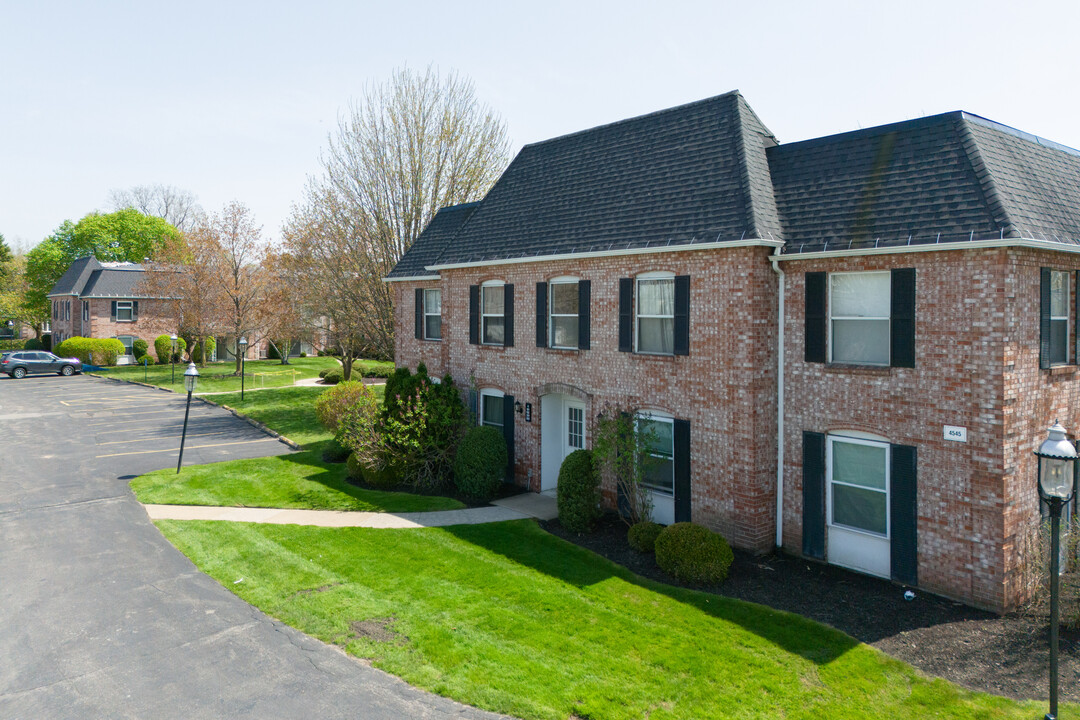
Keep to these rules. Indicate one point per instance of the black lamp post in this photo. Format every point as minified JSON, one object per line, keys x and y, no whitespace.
{"x":191,"y":379}
{"x":1057,"y":470}
{"x":172,"y":358}
{"x":242,"y":343}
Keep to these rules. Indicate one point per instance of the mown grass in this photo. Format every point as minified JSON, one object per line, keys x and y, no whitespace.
{"x":217,"y":377}
{"x":509,"y":618}
{"x":300,"y":480}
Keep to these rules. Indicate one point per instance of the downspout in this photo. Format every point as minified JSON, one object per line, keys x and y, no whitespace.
{"x":779,"y":405}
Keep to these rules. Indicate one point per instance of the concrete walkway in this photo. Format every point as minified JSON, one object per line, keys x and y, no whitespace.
{"x":518,"y":507}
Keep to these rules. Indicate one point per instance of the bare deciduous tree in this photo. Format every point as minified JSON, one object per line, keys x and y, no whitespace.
{"x":178,"y":207}
{"x":405,"y":149}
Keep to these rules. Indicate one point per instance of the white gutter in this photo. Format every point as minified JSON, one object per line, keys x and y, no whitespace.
{"x":935,"y":247}
{"x":410,"y":278}
{"x":745,"y":242}
{"x":779,"y":408}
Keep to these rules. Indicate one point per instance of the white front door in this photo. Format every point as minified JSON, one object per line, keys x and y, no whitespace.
{"x":857,"y":472}
{"x":562,"y":431}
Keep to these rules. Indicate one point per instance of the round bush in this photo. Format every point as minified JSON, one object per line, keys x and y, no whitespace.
{"x":642,"y":536}
{"x":579,"y":492}
{"x":332,"y":405}
{"x":34,"y":344}
{"x":162,"y":346}
{"x":335,"y":452}
{"x":333,"y":377}
{"x":197,"y":350}
{"x":382,"y":478}
{"x":693,"y":554}
{"x":352,"y":465}
{"x":139,"y":349}
{"x":92,"y":351}
{"x":480,"y":464}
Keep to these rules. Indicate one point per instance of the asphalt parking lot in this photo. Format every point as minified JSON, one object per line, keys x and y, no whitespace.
{"x":101,"y":618}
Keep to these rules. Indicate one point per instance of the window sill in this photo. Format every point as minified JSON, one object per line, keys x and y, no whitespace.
{"x":658,"y":356}
{"x":1056,"y":370}
{"x":565,"y":350}
{"x":431,"y":339}
{"x":852,"y":369}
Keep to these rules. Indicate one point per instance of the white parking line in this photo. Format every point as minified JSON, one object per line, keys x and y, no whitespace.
{"x":159,"y":439}
{"x":193,"y":447}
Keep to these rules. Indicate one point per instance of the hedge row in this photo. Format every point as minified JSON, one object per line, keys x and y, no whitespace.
{"x":92,"y":351}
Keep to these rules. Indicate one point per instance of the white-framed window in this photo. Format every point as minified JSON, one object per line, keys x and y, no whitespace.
{"x":859,"y":309}
{"x":67,"y":310}
{"x":656,"y":432}
{"x":857,"y":471}
{"x":491,"y":409}
{"x":46,"y":327}
{"x":492,"y":313}
{"x":655,"y":313}
{"x":86,"y":311}
{"x":128,"y":342}
{"x":124,"y":311}
{"x":563,"y":313}
{"x":433,"y":314}
{"x":1059,"y":317}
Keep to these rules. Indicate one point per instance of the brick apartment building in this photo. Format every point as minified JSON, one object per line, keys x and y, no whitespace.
{"x":104,"y":300}
{"x":848,"y":347}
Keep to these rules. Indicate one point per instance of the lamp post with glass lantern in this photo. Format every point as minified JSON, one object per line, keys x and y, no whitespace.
{"x":172,"y":358}
{"x":242,"y":344}
{"x":191,"y":379}
{"x":1057,"y":470}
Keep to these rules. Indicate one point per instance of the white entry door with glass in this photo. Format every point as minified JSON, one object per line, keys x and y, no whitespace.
{"x":562,"y":432}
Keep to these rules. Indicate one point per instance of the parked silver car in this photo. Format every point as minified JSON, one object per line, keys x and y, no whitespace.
{"x":20,"y":363}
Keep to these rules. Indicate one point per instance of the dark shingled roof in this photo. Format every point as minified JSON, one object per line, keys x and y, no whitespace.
{"x":711,"y":171}
{"x":946,"y":178}
{"x":694,"y":173}
{"x":89,"y":278}
{"x":432,"y":241}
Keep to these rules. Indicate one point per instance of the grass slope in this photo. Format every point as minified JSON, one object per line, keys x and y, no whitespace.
{"x":509,"y":618}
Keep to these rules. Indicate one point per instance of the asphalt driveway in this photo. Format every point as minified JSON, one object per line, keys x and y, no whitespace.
{"x":101,"y":618}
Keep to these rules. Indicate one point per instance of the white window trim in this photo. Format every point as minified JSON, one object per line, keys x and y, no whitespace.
{"x":130,"y":308}
{"x":831,"y":317}
{"x":857,"y":438}
{"x":132,"y":338}
{"x":660,"y":416}
{"x":86,"y":310}
{"x":564,"y":280}
{"x":655,"y":275}
{"x":1059,"y":318}
{"x":489,"y":392}
{"x":483,"y":316}
{"x":427,"y":314}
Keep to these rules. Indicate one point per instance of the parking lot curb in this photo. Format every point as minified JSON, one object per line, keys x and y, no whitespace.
{"x":254,"y":423}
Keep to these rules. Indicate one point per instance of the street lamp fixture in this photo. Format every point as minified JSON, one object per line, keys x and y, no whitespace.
{"x":243,"y":343}
{"x":172,"y":358}
{"x":1057,"y":473}
{"x":191,"y":379}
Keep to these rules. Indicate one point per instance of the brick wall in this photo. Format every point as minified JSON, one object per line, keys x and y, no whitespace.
{"x":155,"y":319}
{"x":725,"y":387}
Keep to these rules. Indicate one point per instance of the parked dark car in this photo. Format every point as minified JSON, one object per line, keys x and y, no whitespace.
{"x":21,"y":363}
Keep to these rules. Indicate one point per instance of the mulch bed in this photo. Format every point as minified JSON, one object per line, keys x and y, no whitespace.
{"x":1007,"y":655}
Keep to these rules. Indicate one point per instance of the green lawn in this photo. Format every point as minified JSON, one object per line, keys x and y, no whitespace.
{"x":509,"y":618}
{"x":217,"y":377}
{"x":300,"y":480}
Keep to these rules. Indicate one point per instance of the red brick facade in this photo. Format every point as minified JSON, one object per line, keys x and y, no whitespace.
{"x":154,"y":318}
{"x":977,"y":366}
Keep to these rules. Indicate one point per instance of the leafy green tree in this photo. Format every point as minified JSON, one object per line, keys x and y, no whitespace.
{"x":124,"y":235}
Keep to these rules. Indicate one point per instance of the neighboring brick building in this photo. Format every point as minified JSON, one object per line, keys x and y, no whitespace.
{"x":103,"y":300}
{"x":919,"y":279}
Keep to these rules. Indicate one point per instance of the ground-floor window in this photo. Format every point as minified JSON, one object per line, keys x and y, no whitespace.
{"x":491,"y":408}
{"x":128,"y":342}
{"x":657,"y":434}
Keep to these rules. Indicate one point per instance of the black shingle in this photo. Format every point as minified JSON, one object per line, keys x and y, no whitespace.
{"x":426,"y":248}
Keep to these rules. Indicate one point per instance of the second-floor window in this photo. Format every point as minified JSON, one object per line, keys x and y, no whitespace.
{"x":656,"y":314}
{"x":86,"y":311}
{"x":1059,"y":317}
{"x":859,"y":310}
{"x":492,"y":314}
{"x":124,"y":311}
{"x":563,"y":322}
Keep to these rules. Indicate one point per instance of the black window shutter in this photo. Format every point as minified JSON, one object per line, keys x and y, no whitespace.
{"x":904,"y":514}
{"x":474,"y":314}
{"x":135,"y":310}
{"x":682,"y":315}
{"x":682,"y":470}
{"x":626,"y":314}
{"x":815,"y":324}
{"x":1044,"y":318}
{"x":1076,"y":329}
{"x":113,"y":317}
{"x":584,"y":297}
{"x":508,"y":315}
{"x":813,"y":495}
{"x":419,"y":314}
{"x":541,"y":314}
{"x":508,"y":435}
{"x":902,"y":318}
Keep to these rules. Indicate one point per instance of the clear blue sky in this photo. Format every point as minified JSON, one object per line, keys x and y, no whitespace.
{"x":234,"y":100}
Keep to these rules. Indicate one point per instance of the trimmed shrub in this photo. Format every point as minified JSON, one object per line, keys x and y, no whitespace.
{"x":335,"y":452}
{"x":352,"y":465}
{"x":642,"y":536}
{"x":383,"y":477}
{"x":303,"y":354}
{"x":480,"y":464}
{"x":579,"y":492}
{"x":693,"y":554}
{"x":139,"y":348}
{"x":163,"y":345}
{"x":92,"y":351}
{"x":34,"y":344}
{"x":14,"y":344}
{"x":333,"y":377}
{"x":197,"y":350}
{"x":331,"y":406}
